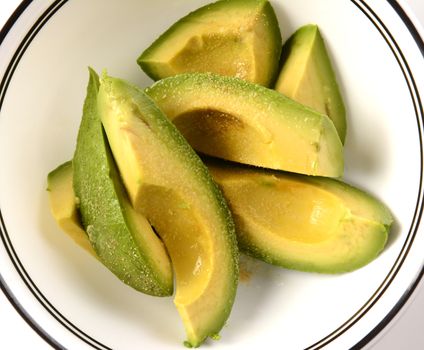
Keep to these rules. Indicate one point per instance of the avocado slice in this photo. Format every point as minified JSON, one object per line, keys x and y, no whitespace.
{"x":122,"y":239}
{"x":64,"y":207}
{"x":300,"y":222}
{"x":229,"y":37}
{"x":307,"y":76}
{"x":170,"y":185}
{"x":229,"y":118}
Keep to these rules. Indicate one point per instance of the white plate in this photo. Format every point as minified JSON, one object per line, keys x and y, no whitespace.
{"x":74,"y":302}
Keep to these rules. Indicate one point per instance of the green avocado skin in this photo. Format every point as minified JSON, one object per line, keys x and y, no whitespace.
{"x":103,"y":203}
{"x":57,"y":172}
{"x":275,"y":34}
{"x":205,"y":13}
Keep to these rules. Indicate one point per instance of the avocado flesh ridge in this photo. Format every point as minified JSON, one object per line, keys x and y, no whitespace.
{"x":248,"y":48}
{"x":303,"y":223}
{"x":359,"y":203}
{"x":307,"y":76}
{"x":205,"y":53}
{"x":174,"y":191}
{"x":235,"y":120}
{"x":63,"y":205}
{"x":123,"y":240}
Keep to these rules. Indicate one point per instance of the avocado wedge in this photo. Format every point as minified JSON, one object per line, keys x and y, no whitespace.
{"x":64,"y":207}
{"x":305,"y":223}
{"x":307,"y":76}
{"x":236,"y":120}
{"x":229,"y":37}
{"x":122,"y":239}
{"x":168,"y":183}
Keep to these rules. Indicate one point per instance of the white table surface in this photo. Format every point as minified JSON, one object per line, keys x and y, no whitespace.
{"x":405,"y":332}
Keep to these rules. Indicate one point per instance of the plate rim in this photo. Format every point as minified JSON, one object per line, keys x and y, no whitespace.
{"x":406,"y":296}
{"x":362,"y":5}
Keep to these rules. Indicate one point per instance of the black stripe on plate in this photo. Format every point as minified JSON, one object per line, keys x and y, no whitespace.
{"x":38,"y":25}
{"x":416,"y":100}
{"x":13,"y":18}
{"x":411,"y":27}
{"x":27,"y":318}
{"x":405,"y":297}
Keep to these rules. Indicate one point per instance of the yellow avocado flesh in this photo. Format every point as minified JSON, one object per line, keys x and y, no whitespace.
{"x":300,"y":222}
{"x":177,"y":224}
{"x":307,"y":76}
{"x":206,"y":50}
{"x":293,"y":211}
{"x":236,"y":38}
{"x":232,"y":119}
{"x":167,"y":183}
{"x":63,"y":205}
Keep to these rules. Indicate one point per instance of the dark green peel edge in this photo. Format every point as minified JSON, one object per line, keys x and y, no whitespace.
{"x":275,"y":32}
{"x":102,"y":203}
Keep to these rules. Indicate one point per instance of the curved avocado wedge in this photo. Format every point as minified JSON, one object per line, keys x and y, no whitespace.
{"x":64,"y":207}
{"x":235,"y":120}
{"x":307,"y":76}
{"x":169,"y":184}
{"x":122,"y":239}
{"x":305,"y":223}
{"x":229,"y":37}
